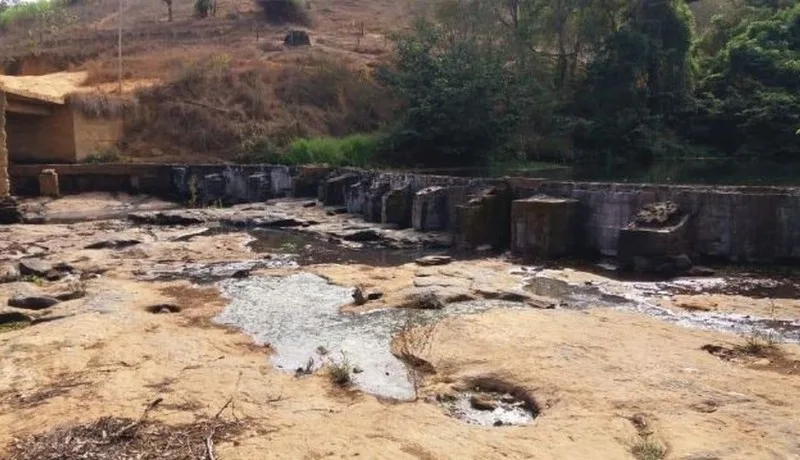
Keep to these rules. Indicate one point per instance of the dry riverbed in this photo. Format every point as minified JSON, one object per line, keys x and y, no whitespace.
{"x":168,"y":335}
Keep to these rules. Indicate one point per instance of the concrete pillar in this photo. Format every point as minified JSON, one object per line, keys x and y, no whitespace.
{"x":430,"y":211}
{"x":48,"y":183}
{"x":5,"y":186}
{"x":396,"y":206}
{"x":486,"y":218}
{"x":544,"y":226}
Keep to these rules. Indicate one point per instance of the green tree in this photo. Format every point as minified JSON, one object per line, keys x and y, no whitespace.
{"x":460,"y":97}
{"x":748,"y":101}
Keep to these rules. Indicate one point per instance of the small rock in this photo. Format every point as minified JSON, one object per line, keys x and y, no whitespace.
{"x":239,"y":274}
{"x":357,"y":370}
{"x":32,"y":302}
{"x":358,"y":296}
{"x":70,"y":295}
{"x":9,"y":273}
{"x":479,"y":402}
{"x":113,"y":244}
{"x":424,"y":301}
{"x":35,"y":267}
{"x":363,"y":236}
{"x":340,"y":210}
{"x":762,"y":362}
{"x":497,"y":423}
{"x":309,"y":204}
{"x":428,"y":261}
{"x":374,"y":295}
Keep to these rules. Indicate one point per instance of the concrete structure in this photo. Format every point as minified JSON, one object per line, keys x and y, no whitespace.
{"x":41,"y":126}
{"x":544,"y":226}
{"x":731,"y":223}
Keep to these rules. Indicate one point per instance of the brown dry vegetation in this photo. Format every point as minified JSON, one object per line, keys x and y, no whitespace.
{"x":224,"y":79}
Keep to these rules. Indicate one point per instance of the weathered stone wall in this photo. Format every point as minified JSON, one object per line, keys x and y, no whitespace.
{"x":735,"y":223}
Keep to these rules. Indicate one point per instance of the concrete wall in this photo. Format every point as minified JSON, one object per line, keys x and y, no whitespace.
{"x":735,"y":223}
{"x":738,"y":223}
{"x":95,"y":134}
{"x":40,"y":139}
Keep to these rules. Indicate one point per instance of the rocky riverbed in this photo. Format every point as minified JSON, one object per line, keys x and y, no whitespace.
{"x":251,"y":314}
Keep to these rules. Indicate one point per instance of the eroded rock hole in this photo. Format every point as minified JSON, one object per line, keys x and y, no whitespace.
{"x":491,"y":402}
{"x":163,"y":308}
{"x":14,"y":320}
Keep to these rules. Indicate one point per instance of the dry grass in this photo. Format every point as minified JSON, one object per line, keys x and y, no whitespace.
{"x":212,"y":107}
{"x":125,"y":439}
{"x":101,"y":105}
{"x":411,"y":342}
{"x":340,"y":372}
{"x":648,"y":449}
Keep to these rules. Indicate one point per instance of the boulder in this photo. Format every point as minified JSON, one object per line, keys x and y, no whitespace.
{"x":396,"y":206}
{"x":32,"y":302}
{"x":35,"y":267}
{"x":423,"y":301}
{"x":482,"y":403}
{"x":544,"y":226}
{"x":297,"y":38}
{"x":429,"y":211}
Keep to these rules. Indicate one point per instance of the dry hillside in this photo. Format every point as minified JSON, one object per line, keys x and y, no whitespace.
{"x":212,"y":84}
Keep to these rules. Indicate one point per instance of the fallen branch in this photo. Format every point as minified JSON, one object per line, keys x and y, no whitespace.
{"x":135,"y":424}
{"x":210,"y":447}
{"x":227,"y":403}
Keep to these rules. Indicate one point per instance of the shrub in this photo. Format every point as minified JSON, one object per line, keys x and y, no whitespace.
{"x":341,"y":373}
{"x":353,"y":150}
{"x":101,"y":105}
{"x":106,"y":155}
{"x":286,"y":11}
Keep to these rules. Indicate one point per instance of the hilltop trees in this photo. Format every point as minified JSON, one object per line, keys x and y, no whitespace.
{"x":610,"y":84}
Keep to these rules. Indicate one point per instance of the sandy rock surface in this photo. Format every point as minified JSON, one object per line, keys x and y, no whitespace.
{"x":603,"y":378}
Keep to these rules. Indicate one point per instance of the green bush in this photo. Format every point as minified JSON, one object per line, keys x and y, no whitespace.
{"x":28,"y":11}
{"x":353,"y":150}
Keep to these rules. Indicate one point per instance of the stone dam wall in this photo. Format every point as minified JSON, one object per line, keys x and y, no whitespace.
{"x":732,"y":223}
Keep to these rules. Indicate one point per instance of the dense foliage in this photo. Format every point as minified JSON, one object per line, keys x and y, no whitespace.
{"x":608,"y":85}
